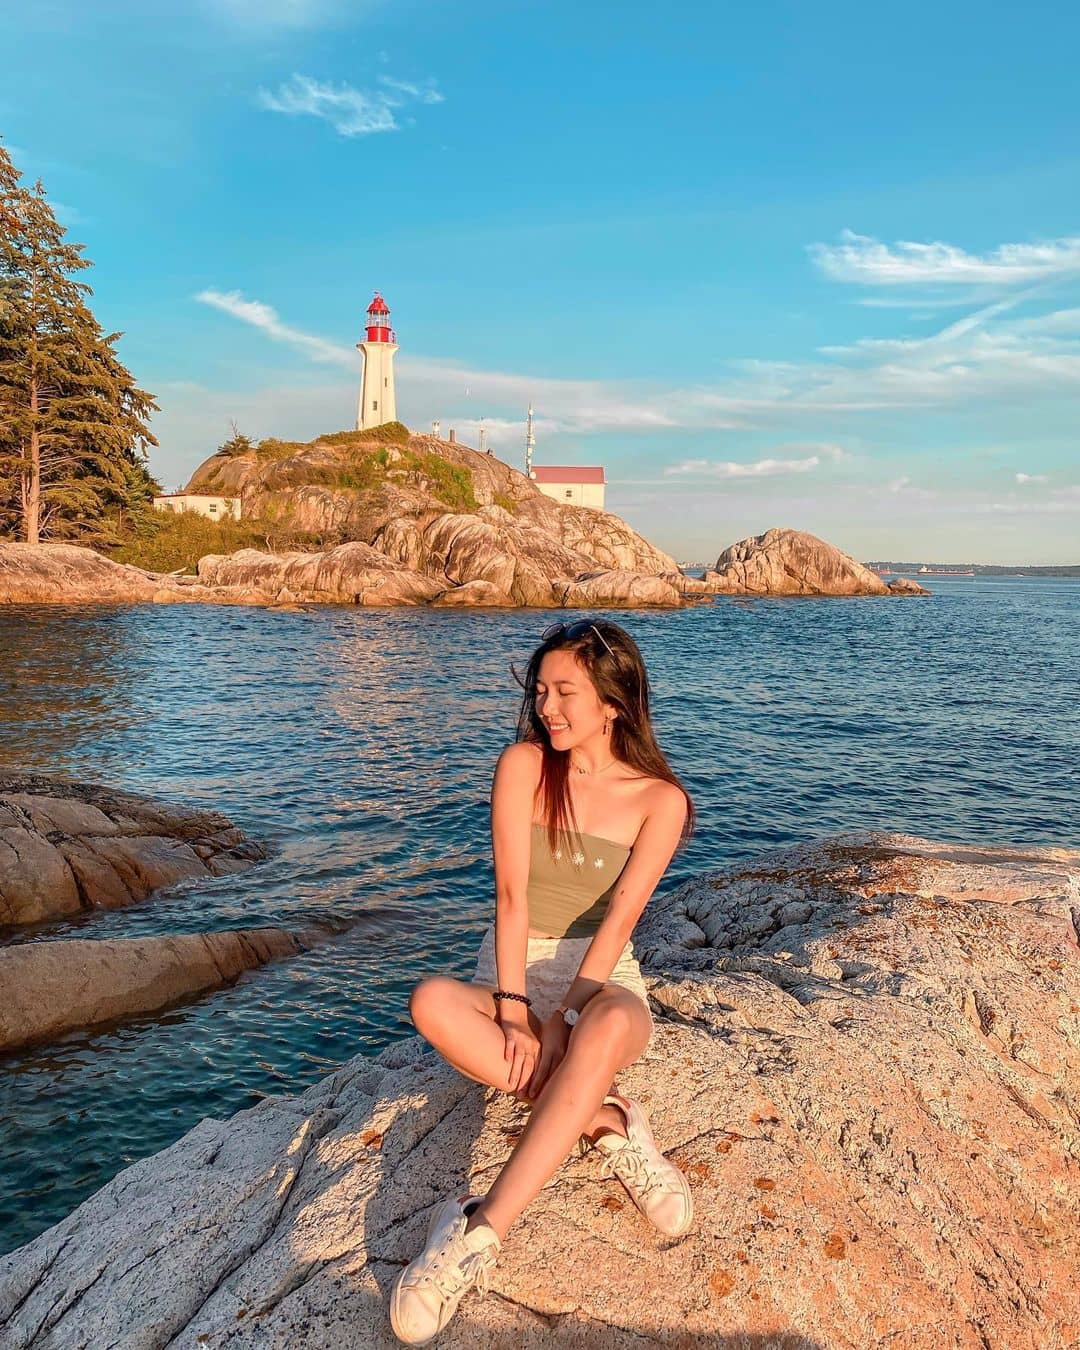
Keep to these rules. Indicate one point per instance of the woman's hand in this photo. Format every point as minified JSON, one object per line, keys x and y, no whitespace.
{"x":520,"y":1050}
{"x":554,"y":1038}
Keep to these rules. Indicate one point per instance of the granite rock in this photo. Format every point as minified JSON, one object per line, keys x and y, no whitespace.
{"x":790,"y":562}
{"x":51,"y":988}
{"x":867,"y":1060}
{"x":66,"y":847}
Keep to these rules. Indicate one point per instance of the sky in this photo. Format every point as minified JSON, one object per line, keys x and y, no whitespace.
{"x":797,"y":265}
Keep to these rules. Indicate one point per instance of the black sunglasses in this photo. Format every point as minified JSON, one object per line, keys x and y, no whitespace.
{"x":573,"y":631}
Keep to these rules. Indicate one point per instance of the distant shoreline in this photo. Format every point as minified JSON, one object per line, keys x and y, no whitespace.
{"x":942,"y":569}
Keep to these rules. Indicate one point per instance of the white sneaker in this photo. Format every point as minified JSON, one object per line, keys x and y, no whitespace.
{"x":426,"y":1294}
{"x":658,"y":1188}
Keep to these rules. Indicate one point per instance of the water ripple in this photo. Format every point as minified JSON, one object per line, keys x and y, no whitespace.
{"x":360,"y":744}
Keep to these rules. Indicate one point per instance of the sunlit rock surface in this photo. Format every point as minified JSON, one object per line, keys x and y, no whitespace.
{"x":42,"y":574}
{"x":867,"y":1060}
{"x":790,"y":562}
{"x":51,"y":988}
{"x":66,"y":847}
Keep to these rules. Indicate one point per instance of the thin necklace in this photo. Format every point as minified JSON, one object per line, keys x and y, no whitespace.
{"x":596,"y":772}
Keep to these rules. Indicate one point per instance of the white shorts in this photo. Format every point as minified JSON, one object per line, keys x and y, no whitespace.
{"x":550,"y":967}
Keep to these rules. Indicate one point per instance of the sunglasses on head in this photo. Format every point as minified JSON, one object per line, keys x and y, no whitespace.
{"x":573,"y":631}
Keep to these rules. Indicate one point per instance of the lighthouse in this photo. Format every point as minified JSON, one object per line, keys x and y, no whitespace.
{"x":377,"y":402}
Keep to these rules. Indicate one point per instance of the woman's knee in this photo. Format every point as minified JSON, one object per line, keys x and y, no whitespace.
{"x":612,"y":1028}
{"x":429,"y":999}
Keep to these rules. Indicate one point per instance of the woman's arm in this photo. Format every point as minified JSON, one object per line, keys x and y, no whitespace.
{"x":654,"y":847}
{"x":512,"y":792}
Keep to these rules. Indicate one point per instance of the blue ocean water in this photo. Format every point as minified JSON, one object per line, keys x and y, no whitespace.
{"x":360,"y":745}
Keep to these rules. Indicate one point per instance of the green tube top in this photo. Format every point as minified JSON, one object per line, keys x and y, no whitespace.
{"x":569,"y":893}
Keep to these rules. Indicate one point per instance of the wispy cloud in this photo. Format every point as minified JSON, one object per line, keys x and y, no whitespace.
{"x":1031,"y":478}
{"x":987,"y":359}
{"x":350,"y":111}
{"x":759,"y":468}
{"x":863,"y":259}
{"x":266,"y":319}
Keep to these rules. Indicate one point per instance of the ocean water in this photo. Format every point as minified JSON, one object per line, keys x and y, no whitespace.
{"x":359,"y":744}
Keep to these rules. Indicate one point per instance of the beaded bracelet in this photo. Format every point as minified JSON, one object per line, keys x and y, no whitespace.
{"x":503,"y":993}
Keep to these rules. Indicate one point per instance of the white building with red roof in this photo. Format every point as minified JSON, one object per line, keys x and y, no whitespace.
{"x":571,"y":484}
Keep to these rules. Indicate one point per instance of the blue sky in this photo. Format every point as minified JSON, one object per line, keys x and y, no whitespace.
{"x":781,"y":264}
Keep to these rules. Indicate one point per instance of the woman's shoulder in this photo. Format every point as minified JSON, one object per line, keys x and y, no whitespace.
{"x":662,"y":799}
{"x":520,"y":758}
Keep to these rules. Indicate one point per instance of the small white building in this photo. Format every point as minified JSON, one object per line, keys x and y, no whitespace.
{"x":571,"y":484}
{"x":216,"y":508}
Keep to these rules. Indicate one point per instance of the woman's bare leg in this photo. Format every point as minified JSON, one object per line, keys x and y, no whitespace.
{"x":458,"y":1019}
{"x":611,"y":1033}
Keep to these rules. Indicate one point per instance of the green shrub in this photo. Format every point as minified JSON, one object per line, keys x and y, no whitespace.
{"x":505,"y":501}
{"x":272,"y":448}
{"x":390,"y":433}
{"x":237,"y":444}
{"x":177,"y":542}
{"x":450,"y":482}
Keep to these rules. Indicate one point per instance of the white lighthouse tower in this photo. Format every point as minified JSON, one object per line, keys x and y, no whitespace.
{"x":377,"y":401}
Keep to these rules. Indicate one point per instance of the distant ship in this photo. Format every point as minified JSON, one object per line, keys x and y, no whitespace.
{"x":943,"y":572}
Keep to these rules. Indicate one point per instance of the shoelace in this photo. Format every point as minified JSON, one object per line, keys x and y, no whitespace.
{"x":633,"y":1167}
{"x":451,"y":1279}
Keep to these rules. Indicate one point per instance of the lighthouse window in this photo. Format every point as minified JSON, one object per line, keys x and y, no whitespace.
{"x":374,"y":405}
{"x":569,"y":492}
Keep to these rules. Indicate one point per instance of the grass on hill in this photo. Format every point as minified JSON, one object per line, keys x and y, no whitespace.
{"x":176,"y":542}
{"x":369,"y":467}
{"x":390,"y":433}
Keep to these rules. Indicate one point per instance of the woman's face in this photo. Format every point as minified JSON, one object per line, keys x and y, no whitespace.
{"x":567,"y":702}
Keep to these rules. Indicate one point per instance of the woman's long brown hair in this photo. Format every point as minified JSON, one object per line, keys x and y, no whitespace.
{"x":620,"y":679}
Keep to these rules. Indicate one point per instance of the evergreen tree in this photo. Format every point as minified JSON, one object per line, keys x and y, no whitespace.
{"x":237,"y":444}
{"x":73,"y":424}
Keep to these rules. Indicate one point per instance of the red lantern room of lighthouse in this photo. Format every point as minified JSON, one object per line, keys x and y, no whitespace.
{"x":377,"y":400}
{"x":378,"y":321}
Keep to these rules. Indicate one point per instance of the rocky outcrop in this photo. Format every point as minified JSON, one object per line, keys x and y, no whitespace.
{"x":867,"y":1060}
{"x":51,"y":988}
{"x":906,"y":586}
{"x":472,"y":593}
{"x":66,"y":847}
{"x":390,"y":495}
{"x":43,"y":574}
{"x":625,"y":590}
{"x":462,"y":560}
{"x":790,"y":562}
{"x":353,"y":574}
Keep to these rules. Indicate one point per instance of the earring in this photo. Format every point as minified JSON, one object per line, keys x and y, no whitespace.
{"x":607,"y":726}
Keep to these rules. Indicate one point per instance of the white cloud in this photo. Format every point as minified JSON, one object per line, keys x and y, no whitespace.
{"x":266,"y":319}
{"x":350,"y":111}
{"x":761,"y":468}
{"x":862,"y":259}
{"x":987,"y":360}
{"x":1031,"y":478}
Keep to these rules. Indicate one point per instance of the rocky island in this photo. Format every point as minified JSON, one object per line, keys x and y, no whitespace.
{"x":423,"y":521}
{"x":866,"y":1058}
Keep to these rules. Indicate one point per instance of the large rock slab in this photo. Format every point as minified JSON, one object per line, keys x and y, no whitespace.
{"x":353,"y":574}
{"x":51,"y":988}
{"x":867,"y":1059}
{"x":619,"y":589}
{"x":790,"y":562}
{"x":66,"y":847}
{"x":46,"y":574}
